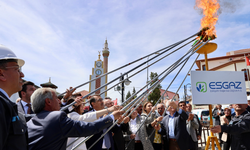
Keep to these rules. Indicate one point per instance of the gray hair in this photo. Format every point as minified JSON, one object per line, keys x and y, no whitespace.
{"x":38,"y":98}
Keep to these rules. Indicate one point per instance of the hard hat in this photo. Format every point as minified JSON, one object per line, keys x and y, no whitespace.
{"x":6,"y":54}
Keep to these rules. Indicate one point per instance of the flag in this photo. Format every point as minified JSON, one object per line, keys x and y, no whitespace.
{"x":247,"y":61}
{"x":115,"y":101}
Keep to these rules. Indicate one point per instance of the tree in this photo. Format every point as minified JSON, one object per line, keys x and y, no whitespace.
{"x":156,"y":94}
{"x":134,"y":92}
{"x":128,"y":95}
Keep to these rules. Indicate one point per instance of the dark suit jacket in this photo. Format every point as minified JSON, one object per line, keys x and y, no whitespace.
{"x":13,"y":129}
{"x":118,"y":137}
{"x":49,"y":130}
{"x":199,"y":130}
{"x":21,"y":111}
{"x":180,"y":131}
{"x":98,"y":145}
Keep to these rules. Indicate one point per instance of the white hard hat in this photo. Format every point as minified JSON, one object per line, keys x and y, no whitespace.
{"x":6,"y":54}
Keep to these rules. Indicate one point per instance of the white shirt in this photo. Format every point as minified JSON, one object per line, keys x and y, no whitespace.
{"x":24,"y":106}
{"x":133,"y":128}
{"x":4,"y":93}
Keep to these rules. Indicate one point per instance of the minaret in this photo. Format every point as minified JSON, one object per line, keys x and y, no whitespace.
{"x":105,"y":54}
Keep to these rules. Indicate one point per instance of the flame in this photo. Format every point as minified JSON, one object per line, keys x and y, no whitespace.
{"x":210,"y":15}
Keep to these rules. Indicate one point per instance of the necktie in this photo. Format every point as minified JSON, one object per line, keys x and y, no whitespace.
{"x":29,"y":111}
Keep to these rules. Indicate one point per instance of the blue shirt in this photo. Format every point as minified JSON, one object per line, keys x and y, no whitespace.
{"x":171,"y":125}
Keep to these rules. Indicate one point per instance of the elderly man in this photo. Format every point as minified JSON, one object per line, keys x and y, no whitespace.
{"x":13,"y":131}
{"x":238,"y":128}
{"x":50,"y":128}
{"x":173,"y":128}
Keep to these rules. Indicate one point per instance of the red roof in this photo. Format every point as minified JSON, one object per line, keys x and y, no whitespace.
{"x":168,"y":93}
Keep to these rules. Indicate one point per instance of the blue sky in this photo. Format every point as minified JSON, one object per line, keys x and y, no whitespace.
{"x":61,"y":38}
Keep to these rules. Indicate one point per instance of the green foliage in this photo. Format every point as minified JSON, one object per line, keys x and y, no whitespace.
{"x":128,"y":95}
{"x":134,"y":92}
{"x":156,"y":94}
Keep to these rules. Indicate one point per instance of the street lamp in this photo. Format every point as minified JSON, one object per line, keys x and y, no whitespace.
{"x":122,"y":88}
{"x":185,"y":91}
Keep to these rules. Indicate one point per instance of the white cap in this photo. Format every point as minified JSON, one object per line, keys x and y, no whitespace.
{"x":6,"y":54}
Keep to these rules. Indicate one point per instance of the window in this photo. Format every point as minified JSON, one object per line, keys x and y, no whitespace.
{"x":204,"y":67}
{"x":246,"y":74}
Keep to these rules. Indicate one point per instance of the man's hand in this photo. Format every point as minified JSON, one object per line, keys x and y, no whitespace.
{"x":226,"y":120}
{"x":78,"y":101}
{"x":120,"y":120}
{"x":157,"y":127}
{"x":218,"y":113}
{"x":132,"y":136}
{"x":190,"y":117}
{"x":198,"y":137}
{"x":69,"y":92}
{"x":126,"y":119}
{"x":216,"y":129}
{"x":117,"y":114}
{"x":114,"y":108}
{"x":159,"y":118}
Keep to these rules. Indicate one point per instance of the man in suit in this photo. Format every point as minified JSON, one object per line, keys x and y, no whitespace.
{"x":24,"y":105}
{"x":192,"y":126}
{"x":13,"y":129}
{"x":173,"y":128}
{"x":96,"y":103}
{"x":50,"y":128}
{"x":118,"y":139}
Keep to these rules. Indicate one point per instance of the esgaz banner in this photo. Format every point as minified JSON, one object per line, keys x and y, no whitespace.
{"x":218,"y":87}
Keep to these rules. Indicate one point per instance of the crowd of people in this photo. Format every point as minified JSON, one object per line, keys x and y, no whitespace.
{"x":36,"y":122}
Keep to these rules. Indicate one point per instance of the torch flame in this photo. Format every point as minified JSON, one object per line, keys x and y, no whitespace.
{"x":210,"y":15}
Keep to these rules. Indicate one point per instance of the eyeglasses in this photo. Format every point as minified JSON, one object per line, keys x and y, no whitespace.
{"x":100,"y":99}
{"x":18,"y":68}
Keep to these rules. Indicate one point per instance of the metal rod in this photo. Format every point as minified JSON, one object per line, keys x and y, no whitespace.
{"x":155,"y":84}
{"x":167,"y":89}
{"x":64,"y":108}
{"x":177,"y":43}
{"x":125,"y":107}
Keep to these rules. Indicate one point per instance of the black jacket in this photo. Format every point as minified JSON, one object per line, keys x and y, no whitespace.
{"x":13,"y":129}
{"x":239,"y":130}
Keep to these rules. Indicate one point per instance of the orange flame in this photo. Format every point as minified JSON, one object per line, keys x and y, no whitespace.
{"x":210,"y":15}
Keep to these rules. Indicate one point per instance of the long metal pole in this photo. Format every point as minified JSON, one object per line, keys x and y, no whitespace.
{"x":173,"y":45}
{"x":150,"y":87}
{"x":122,"y":78}
{"x":64,"y":108}
{"x":155,"y":84}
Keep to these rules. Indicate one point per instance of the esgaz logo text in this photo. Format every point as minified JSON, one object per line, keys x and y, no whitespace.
{"x":225,"y":85}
